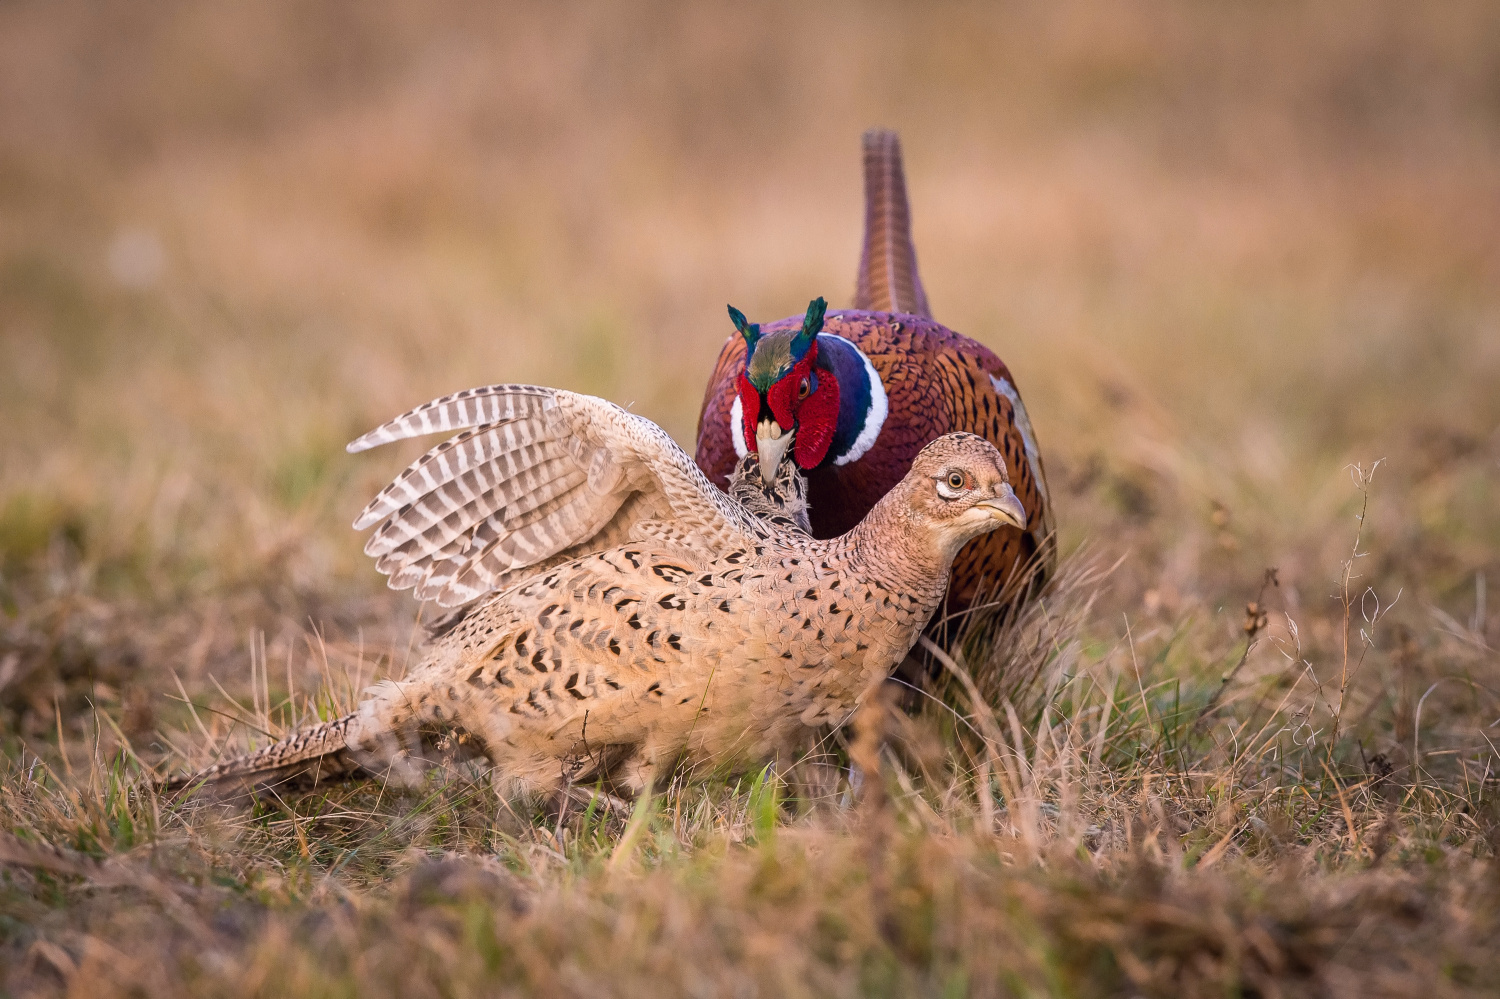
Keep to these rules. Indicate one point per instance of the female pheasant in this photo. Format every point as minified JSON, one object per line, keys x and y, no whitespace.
{"x":699,"y":630}
{"x":852,"y":396}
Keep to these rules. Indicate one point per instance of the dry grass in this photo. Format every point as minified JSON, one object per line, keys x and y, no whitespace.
{"x":1234,"y":254}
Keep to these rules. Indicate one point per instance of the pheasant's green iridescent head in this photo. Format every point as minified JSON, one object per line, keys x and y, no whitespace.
{"x":770,"y":357}
{"x":784,"y":394}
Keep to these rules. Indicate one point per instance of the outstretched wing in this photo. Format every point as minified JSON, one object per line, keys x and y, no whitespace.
{"x":537,"y":476}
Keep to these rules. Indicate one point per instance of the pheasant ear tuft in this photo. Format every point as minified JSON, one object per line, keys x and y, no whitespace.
{"x":750,"y":331}
{"x":812,"y":325}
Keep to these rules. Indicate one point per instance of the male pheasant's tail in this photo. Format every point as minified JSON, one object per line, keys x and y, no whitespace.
{"x":888,"y":280}
{"x":319,"y":752}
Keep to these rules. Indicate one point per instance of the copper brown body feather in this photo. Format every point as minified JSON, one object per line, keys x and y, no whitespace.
{"x":936,"y":381}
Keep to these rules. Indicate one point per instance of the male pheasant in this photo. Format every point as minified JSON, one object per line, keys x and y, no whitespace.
{"x":699,"y":630}
{"x":852,"y":396}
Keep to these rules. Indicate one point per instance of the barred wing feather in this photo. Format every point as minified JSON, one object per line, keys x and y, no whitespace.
{"x":536,"y":476}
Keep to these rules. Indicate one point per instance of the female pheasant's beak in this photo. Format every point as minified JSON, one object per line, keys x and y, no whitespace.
{"x":771,"y":443}
{"x":1004,"y":506}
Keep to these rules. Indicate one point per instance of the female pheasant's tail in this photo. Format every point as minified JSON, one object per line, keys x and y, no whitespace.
{"x":316,"y":753}
{"x":888,"y":280}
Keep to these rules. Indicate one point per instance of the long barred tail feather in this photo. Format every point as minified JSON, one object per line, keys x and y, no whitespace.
{"x":319,"y":752}
{"x":888,"y":280}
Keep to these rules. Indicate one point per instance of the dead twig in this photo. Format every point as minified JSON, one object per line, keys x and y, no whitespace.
{"x":1255,"y":623}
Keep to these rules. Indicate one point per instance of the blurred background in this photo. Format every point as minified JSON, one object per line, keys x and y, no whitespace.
{"x":1226,"y":249}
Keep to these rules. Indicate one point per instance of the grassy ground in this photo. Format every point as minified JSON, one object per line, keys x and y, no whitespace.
{"x":1236,"y":255}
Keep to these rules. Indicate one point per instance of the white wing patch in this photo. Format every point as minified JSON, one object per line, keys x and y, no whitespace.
{"x":737,"y":427}
{"x":874,"y":417}
{"x":1028,"y":439}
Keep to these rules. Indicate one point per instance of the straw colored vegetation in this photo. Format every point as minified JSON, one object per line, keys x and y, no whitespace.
{"x":1241,"y":258}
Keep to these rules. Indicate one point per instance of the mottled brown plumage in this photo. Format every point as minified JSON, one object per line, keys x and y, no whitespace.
{"x":714,"y":635}
{"x":781,"y":502}
{"x":536,"y":477}
{"x":932,"y":381}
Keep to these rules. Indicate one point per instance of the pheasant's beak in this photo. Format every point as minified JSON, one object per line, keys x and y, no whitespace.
{"x":1005,"y":507}
{"x":771,"y":443}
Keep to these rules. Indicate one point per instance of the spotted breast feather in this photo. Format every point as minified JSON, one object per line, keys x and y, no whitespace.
{"x":713,"y":635}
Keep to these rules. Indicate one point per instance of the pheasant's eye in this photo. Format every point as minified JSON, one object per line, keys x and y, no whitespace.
{"x":803,"y":389}
{"x":953,"y":484}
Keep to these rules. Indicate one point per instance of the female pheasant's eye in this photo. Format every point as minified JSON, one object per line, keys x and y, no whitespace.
{"x":803,"y":389}
{"x":956,"y":480}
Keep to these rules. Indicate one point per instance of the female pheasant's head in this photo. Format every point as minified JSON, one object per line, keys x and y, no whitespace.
{"x":815,"y":396}
{"x":956,"y":490}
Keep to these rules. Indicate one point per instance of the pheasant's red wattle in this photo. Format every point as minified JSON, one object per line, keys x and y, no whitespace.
{"x":749,"y":411}
{"x":817,"y":420}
